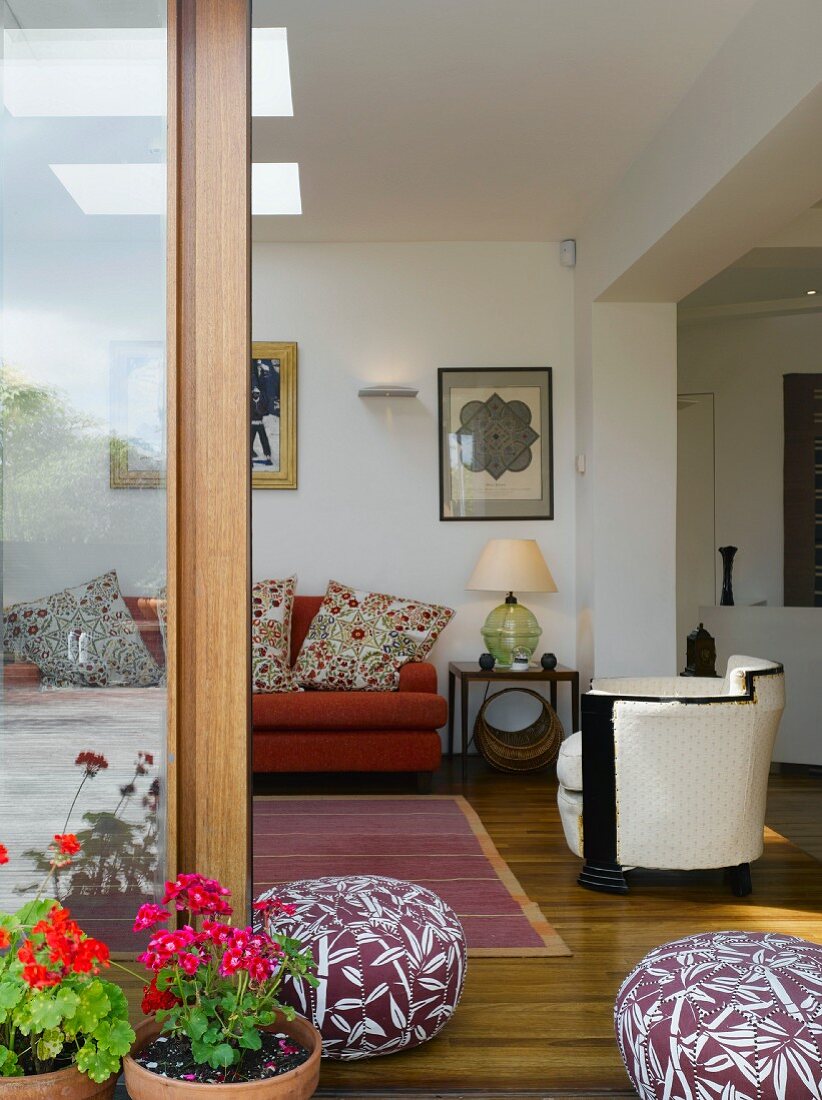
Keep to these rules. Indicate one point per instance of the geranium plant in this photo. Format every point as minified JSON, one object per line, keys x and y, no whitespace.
{"x":55,"y":1010}
{"x":213,"y":985}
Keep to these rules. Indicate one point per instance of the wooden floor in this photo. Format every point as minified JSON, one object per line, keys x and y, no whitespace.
{"x":543,"y":1027}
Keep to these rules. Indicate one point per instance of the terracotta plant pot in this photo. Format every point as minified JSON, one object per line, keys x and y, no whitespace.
{"x":65,"y":1084}
{"x":298,"y":1084}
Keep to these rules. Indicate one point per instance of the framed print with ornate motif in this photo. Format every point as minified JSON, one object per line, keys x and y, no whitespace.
{"x":496,"y":443}
{"x":273,"y":416}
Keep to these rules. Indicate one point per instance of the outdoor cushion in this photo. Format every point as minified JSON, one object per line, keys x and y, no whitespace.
{"x":359,"y":641}
{"x":349,"y":710}
{"x":729,"y":1015}
{"x":82,"y":636}
{"x":391,"y":957}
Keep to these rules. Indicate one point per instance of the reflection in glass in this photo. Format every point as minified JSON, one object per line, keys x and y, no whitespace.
{"x":82,"y":431}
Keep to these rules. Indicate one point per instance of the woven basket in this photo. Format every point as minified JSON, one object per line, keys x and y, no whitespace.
{"x":525,"y":750}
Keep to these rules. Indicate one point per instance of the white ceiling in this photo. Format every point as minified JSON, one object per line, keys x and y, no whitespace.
{"x":474,"y":119}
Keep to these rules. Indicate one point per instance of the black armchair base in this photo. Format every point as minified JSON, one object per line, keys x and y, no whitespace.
{"x":607,"y":878}
{"x":740,"y":878}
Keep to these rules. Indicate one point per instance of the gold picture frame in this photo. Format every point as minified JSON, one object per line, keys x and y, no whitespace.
{"x":137,"y":456}
{"x":273,"y":415}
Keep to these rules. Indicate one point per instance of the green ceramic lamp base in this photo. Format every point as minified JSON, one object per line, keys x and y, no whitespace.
{"x":508,"y":627}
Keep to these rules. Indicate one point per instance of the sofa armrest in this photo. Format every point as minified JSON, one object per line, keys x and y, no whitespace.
{"x":418,"y":676}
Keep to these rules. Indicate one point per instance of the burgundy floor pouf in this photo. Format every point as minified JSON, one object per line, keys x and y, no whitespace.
{"x":725,"y":1015}
{"x":391,"y":962}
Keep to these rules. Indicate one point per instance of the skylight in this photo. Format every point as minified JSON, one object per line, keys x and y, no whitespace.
{"x":275,"y":189}
{"x":109,"y":72}
{"x":270,"y":73}
{"x":124,"y":189}
{"x":139,"y":189}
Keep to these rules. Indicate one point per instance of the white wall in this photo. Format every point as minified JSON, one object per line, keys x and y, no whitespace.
{"x":742,"y":361}
{"x":792,"y":636}
{"x":367,"y":508}
{"x":634,"y":498}
{"x":696,"y":556}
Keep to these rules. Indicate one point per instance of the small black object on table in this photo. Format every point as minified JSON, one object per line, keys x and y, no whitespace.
{"x":468,"y":673}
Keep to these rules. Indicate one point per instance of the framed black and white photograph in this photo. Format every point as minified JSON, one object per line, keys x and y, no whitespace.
{"x":273,"y":416}
{"x":496,"y":443}
{"x":138,"y":415}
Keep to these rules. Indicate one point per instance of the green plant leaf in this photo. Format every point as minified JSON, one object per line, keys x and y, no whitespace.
{"x":46,"y":1012}
{"x":223,"y":1056}
{"x":34,"y":911}
{"x":201,"y":1051}
{"x":197,"y":1024}
{"x":9,"y":1066}
{"x":11,"y":993}
{"x":49,"y":1045}
{"x":94,"y":1006}
{"x":114,"y":1037}
{"x":251,"y":1039}
{"x":119,"y":1003}
{"x":97,"y":1064}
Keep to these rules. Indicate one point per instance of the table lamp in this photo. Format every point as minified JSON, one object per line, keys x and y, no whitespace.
{"x":508,"y":565}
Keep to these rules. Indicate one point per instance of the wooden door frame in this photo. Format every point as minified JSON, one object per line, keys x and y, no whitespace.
{"x":209,"y":473}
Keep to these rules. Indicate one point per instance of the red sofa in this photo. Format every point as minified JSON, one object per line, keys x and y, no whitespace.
{"x":349,"y":731}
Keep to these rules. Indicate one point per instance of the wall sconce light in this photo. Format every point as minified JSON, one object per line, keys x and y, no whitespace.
{"x":388,"y":391}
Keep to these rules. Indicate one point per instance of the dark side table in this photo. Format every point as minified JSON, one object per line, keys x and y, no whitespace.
{"x":469,"y":672}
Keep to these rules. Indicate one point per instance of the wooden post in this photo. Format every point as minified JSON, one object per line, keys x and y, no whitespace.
{"x":209,"y":772}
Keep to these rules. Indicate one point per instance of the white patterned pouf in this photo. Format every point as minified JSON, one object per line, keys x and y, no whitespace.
{"x":724,"y":1016}
{"x":391,"y":962}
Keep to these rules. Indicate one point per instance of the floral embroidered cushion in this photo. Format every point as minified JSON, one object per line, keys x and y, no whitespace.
{"x":81,"y":636}
{"x":272,"y":605}
{"x":724,"y":1014}
{"x":359,"y":641}
{"x":394,"y":960}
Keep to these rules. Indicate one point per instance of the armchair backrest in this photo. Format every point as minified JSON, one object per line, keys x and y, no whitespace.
{"x":690,"y":769}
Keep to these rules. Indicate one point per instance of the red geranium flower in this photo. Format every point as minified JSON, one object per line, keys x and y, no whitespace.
{"x":4,"y":854}
{"x":93,"y":762}
{"x":149,"y":915}
{"x":39,"y":978}
{"x":67,"y":844}
{"x":5,"y":939}
{"x":155,"y":999}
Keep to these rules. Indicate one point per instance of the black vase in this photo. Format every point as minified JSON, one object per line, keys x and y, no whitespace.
{"x":728,"y":553}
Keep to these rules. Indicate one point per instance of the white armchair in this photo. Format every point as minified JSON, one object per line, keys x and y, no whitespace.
{"x":671,"y":773}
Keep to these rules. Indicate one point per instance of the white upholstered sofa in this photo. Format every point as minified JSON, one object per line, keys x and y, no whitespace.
{"x":671,"y":773}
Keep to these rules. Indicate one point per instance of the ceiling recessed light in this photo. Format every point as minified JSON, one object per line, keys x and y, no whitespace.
{"x":124,"y":189}
{"x":275,"y":189}
{"x":111,"y":72}
{"x":810,"y":292}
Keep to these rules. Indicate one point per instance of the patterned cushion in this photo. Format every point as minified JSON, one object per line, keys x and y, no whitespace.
{"x":730,"y":1015}
{"x":272,"y":605}
{"x":359,"y":641}
{"x":81,"y":636}
{"x":391,"y":958}
{"x":162,"y":618}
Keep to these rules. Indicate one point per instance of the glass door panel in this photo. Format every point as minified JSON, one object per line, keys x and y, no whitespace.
{"x":83,"y":422}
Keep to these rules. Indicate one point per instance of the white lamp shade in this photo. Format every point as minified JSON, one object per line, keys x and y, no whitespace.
{"x":511,"y":565}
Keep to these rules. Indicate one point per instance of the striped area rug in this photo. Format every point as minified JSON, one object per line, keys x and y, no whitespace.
{"x":437,"y":841}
